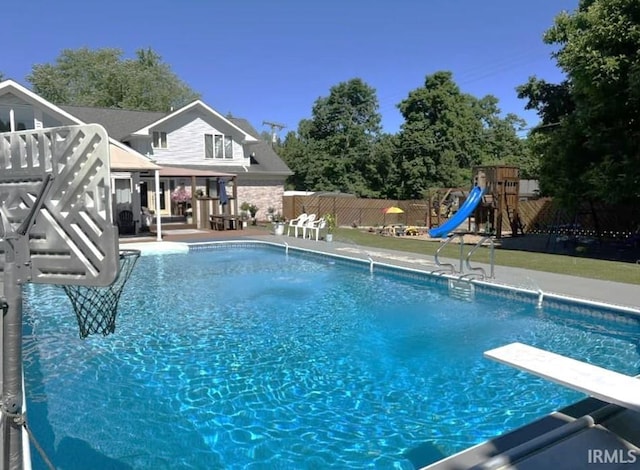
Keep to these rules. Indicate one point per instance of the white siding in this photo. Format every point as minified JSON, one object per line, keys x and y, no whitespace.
{"x":185,"y":142}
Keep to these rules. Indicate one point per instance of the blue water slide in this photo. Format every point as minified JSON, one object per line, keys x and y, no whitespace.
{"x":470,"y":204}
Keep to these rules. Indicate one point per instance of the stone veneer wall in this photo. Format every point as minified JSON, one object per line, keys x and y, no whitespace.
{"x":263,"y":194}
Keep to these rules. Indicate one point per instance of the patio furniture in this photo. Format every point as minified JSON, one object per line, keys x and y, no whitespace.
{"x":315,"y":227}
{"x":297,"y":223}
{"x":225,"y":222}
{"x":126,"y":224}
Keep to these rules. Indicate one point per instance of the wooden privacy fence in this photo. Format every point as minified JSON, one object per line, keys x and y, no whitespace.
{"x":357,"y":212}
{"x":536,"y":216}
{"x":594,"y":220}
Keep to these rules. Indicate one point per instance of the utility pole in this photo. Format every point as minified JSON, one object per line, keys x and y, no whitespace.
{"x":275,"y":128}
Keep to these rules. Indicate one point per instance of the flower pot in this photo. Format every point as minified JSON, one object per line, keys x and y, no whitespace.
{"x":329,"y":237}
{"x":278,"y":228}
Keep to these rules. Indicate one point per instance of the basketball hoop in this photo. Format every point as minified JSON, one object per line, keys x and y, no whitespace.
{"x":96,"y":307}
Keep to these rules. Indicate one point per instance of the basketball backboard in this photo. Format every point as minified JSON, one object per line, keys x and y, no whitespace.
{"x":72,"y":239}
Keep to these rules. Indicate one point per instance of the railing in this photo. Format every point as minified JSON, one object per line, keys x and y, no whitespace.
{"x":479,"y":269}
{"x":475,"y":271}
{"x":449,"y":265}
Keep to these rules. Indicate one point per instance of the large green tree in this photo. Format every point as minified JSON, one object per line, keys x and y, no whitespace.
{"x":445,"y":132}
{"x":589,"y":139}
{"x":334,"y":150}
{"x":103,"y":78}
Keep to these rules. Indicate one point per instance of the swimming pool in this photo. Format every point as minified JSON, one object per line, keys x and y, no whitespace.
{"x":245,"y":357}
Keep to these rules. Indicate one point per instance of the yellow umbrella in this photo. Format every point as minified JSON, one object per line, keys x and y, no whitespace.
{"x":392,"y":210}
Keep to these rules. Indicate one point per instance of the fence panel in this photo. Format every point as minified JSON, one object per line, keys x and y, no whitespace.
{"x":536,"y":216}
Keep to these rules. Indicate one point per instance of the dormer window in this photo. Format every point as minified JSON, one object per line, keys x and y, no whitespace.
{"x":159,"y":140}
{"x":218,"y":146}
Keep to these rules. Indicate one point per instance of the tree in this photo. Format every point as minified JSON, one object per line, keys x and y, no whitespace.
{"x":334,"y":150}
{"x":445,"y":132}
{"x":102,"y":78}
{"x":589,"y":140}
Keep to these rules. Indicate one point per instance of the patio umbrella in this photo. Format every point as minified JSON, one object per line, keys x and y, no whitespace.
{"x":222,"y":191}
{"x":390,"y":210}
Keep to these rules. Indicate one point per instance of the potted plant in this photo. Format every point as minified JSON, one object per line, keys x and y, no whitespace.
{"x":252,"y":209}
{"x":330,"y":220}
{"x":278,"y":222}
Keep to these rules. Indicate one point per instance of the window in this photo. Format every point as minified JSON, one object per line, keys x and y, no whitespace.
{"x":208,"y":146}
{"x":218,"y":146}
{"x":23,"y":118}
{"x":228,"y":147}
{"x":159,"y":140}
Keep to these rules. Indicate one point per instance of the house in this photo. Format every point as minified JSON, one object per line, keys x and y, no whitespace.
{"x":196,"y":140}
{"x":156,"y":157}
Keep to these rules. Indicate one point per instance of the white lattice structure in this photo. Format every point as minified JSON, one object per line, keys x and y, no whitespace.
{"x":72,"y":239}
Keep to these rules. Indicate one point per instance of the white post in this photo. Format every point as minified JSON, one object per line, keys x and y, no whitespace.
{"x":157,"y":208}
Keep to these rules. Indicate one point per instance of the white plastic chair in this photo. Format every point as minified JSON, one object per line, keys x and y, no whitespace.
{"x":315,"y":227}
{"x":297,"y":223}
{"x":307,"y":223}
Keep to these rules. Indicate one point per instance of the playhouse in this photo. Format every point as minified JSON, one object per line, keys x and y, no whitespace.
{"x":498,"y":210}
{"x":490,"y":206}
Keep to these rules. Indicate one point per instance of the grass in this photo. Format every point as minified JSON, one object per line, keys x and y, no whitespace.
{"x":581,"y":266}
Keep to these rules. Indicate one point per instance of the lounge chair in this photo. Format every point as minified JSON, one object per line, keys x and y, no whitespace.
{"x":297,"y":223}
{"x":315,"y":227}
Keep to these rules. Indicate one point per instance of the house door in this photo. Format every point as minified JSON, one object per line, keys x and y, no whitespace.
{"x":164,"y":198}
{"x":144,"y":197}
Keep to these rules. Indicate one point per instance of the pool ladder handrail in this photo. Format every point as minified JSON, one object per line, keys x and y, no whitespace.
{"x":451,"y":267}
{"x":478,"y":270}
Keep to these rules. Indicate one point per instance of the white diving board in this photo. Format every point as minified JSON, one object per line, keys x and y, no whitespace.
{"x":600,"y":383}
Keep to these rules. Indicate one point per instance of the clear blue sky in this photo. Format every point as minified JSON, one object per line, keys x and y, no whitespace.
{"x":270,"y":60}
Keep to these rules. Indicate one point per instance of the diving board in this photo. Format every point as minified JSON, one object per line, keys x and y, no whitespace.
{"x":600,"y":383}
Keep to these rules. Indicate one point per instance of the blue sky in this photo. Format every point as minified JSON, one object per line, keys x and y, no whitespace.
{"x":270,"y":60}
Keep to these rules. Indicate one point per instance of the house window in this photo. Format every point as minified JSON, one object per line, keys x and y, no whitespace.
{"x":22,"y":117}
{"x":218,"y":146}
{"x":228,"y":147}
{"x":208,"y":146}
{"x":159,"y":140}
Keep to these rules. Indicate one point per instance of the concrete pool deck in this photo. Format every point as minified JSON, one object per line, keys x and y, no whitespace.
{"x":588,"y":434}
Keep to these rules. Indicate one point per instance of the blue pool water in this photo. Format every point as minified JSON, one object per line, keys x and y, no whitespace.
{"x":249,"y":358}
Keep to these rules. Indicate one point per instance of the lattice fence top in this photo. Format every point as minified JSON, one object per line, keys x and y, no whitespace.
{"x":73,"y":239}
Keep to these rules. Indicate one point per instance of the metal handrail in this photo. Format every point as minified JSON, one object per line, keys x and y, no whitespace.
{"x":491,"y":257}
{"x":469,"y":276}
{"x":449,"y":240}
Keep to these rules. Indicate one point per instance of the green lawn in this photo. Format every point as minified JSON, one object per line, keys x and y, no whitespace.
{"x":561,"y":264}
